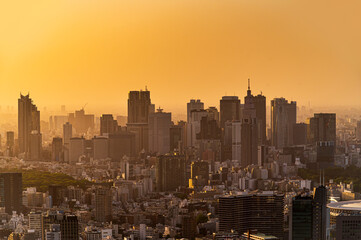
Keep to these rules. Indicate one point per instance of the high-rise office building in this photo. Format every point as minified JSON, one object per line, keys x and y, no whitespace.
{"x":177,"y":136}
{"x":255,"y":107}
{"x":122,"y":144}
{"x":107,"y":124}
{"x":322,"y":133}
{"x":11,"y":187}
{"x":322,"y":128}
{"x":28,"y":121}
{"x":69,"y":226}
{"x":229,"y":109}
{"x":236,"y":140}
{"x":348,"y":227}
{"x":213,"y":114}
{"x":193,"y":105}
{"x":67,"y":135}
{"x":103,"y":204}
{"x":249,"y":211}
{"x":57,"y":149}
{"x":320,"y":213}
{"x":300,"y":134}
{"x":199,"y":173}
{"x":301,"y":219}
{"x":56,"y":192}
{"x":170,"y":172}
{"x":159,"y":131}
{"x":283,"y":117}
{"x":100,"y":147}
{"x":81,"y":122}
{"x":358,"y":131}
{"x":194,"y":126}
{"x":35,"y":152}
{"x":76,"y":149}
{"x":139,"y":106}
{"x":10,"y":143}
{"x":249,"y":141}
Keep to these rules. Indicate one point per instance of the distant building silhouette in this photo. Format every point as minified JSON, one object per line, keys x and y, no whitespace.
{"x":28,"y":121}
{"x":159,"y":132}
{"x":11,"y":187}
{"x":283,"y":117}
{"x":170,"y":172}
{"x":107,"y":124}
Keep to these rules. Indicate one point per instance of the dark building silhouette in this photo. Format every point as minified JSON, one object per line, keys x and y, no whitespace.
{"x":28,"y":121}
{"x":10,"y":143}
{"x":81,"y":122}
{"x":209,"y":129}
{"x":249,"y":142}
{"x":121,"y":144}
{"x":300,"y":134}
{"x":68,"y":224}
{"x":193,"y":105}
{"x":322,"y":127}
{"x":348,"y":227}
{"x":103,"y":204}
{"x":11,"y":188}
{"x":107,"y":124}
{"x":57,"y":149}
{"x":229,"y":109}
{"x":139,"y":106}
{"x":320,"y":212}
{"x":177,"y":136}
{"x":199,"y":173}
{"x":170,"y":172}
{"x":283,"y":117}
{"x":57,"y":193}
{"x":261,"y":211}
{"x":255,"y":106}
{"x":302,"y":218}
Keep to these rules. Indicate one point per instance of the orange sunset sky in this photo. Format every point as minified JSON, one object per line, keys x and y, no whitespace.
{"x":84,"y":51}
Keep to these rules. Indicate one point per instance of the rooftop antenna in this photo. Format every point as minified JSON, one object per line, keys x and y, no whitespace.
{"x":249,"y":84}
{"x":320,"y":178}
{"x":146,"y":89}
{"x":323,"y":177}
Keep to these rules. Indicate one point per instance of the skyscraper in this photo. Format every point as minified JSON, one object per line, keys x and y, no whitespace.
{"x":68,"y":224}
{"x":28,"y":121}
{"x":255,"y":107}
{"x":10,"y":143}
{"x":159,"y":131}
{"x":81,"y":122}
{"x":283,"y":117}
{"x":193,"y":105}
{"x":107,"y":124}
{"x":249,"y":142}
{"x":170,"y":172}
{"x":322,"y":133}
{"x":35,"y":152}
{"x":322,"y":128}
{"x":358,"y":131}
{"x":301,"y":219}
{"x":11,"y":187}
{"x":229,"y":109}
{"x":67,"y":135}
{"x":57,"y":149}
{"x":249,"y":211}
{"x":103,"y":204}
{"x":122,"y":144}
{"x":139,"y":107}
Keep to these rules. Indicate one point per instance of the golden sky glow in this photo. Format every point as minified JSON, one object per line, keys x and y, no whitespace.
{"x":78,"y":51}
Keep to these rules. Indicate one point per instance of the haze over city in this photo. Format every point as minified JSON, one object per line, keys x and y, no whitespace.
{"x":181,"y":119}
{"x":302,"y":50}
